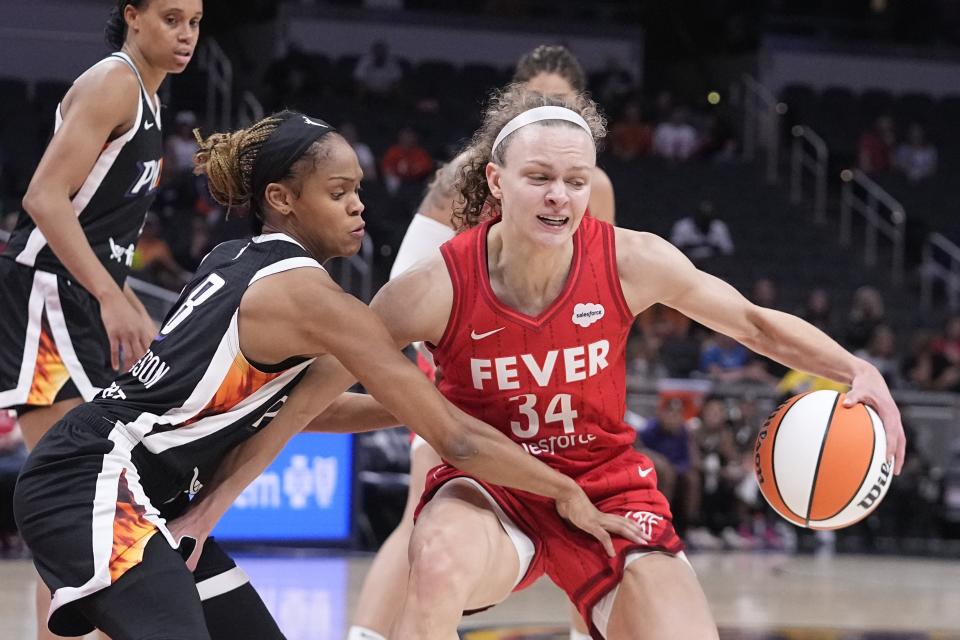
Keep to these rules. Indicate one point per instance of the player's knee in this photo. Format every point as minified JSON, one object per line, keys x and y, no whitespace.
{"x":434,"y":557}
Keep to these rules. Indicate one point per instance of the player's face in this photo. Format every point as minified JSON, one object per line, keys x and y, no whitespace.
{"x":544,"y":184}
{"x":550,"y":84}
{"x":327,"y":209}
{"x":166,"y":31}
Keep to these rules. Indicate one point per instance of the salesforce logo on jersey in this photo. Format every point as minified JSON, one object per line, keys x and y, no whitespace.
{"x":304,"y":495}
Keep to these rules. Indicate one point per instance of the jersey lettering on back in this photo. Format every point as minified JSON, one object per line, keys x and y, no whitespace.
{"x":554,"y":383}
{"x":193,"y":395}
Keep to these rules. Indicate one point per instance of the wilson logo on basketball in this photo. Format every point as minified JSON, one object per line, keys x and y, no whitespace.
{"x":877,"y":489}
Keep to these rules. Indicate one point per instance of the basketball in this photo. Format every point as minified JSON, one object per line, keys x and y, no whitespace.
{"x":821,"y":465}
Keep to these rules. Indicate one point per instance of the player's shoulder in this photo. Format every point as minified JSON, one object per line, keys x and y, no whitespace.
{"x":642,"y":249}
{"x":108,"y":87}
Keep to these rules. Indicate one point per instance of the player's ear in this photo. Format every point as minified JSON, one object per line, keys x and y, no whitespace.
{"x":493,"y":180}
{"x":279,"y":198}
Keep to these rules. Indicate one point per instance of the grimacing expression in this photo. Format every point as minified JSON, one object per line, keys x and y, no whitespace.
{"x":166,"y":31}
{"x":544,"y":182}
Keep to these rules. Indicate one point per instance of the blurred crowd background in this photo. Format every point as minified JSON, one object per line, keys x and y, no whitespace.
{"x":691,"y":157}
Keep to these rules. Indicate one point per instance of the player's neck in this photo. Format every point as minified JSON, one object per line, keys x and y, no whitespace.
{"x":150,"y":75}
{"x":525,"y":275}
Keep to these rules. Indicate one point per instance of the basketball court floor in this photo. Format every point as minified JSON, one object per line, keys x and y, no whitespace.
{"x":754,"y":597}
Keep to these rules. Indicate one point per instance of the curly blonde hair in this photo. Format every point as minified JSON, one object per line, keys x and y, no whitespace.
{"x":475,"y":201}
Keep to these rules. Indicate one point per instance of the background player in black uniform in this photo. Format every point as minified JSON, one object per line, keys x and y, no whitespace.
{"x":260,"y":332}
{"x":70,"y":320}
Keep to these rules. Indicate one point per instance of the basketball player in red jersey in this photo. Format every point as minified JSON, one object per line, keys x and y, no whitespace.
{"x":528,"y":316}
{"x":71,"y":320}
{"x":547,"y":69}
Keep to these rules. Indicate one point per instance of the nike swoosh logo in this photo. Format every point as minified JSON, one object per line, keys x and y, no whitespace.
{"x":644,"y":472}
{"x":481,"y":336}
{"x":313,"y":122}
{"x":147,"y":125}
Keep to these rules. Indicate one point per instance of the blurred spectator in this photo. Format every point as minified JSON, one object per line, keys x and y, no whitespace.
{"x":678,"y":350}
{"x":926,"y":369}
{"x":181,"y":145}
{"x":720,"y":471}
{"x":703,"y":235}
{"x":881,"y":352}
{"x":726,"y":360}
{"x":718,"y":142}
{"x":368,"y":163}
{"x":875,"y":146}
{"x":669,"y":436}
{"x":662,"y":106}
{"x":377,"y":72}
{"x":866,"y":312}
{"x":616,"y":83}
{"x":764,"y":293}
{"x":153,"y":259}
{"x":818,"y":311}
{"x":406,"y":161}
{"x":643,"y":357}
{"x":916,"y":158}
{"x":675,"y":139}
{"x":795,"y":382}
{"x":630,"y":136}
{"x":948,"y":344}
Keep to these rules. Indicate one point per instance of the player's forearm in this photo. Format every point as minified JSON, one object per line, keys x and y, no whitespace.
{"x":489,"y":455}
{"x":58,"y":223}
{"x":353,"y":413}
{"x":134,"y":300}
{"x":799,"y":345}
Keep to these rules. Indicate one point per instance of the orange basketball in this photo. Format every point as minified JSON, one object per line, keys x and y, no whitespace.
{"x":822,"y":465}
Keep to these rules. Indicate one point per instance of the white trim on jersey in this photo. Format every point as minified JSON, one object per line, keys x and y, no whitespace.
{"x":155,"y":107}
{"x":31,"y":344}
{"x":61,"y":336}
{"x":37,"y":241}
{"x":104,"y":509}
{"x":164,"y":440}
{"x":270,"y":237}
{"x":422,"y":240}
{"x":285,"y":265}
{"x":222,"y":583}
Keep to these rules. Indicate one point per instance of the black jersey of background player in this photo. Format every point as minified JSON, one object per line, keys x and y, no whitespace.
{"x":113,"y":201}
{"x":193,"y":396}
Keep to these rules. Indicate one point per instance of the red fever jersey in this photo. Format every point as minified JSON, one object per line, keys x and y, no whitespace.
{"x":555,"y":384}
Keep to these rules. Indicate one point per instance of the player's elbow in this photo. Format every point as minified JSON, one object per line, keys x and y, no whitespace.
{"x":459,"y":444}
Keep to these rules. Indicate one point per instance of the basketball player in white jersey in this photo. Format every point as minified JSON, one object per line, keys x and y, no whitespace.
{"x":547,"y":69}
{"x":71,"y":321}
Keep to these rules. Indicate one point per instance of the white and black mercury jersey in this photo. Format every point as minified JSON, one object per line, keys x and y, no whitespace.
{"x":193,"y":396}
{"x":112,"y":203}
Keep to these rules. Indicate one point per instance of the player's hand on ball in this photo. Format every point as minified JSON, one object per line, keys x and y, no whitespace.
{"x":870,"y":388}
{"x":577,"y":509}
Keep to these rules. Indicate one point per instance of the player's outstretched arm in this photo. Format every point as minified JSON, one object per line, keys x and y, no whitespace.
{"x":652,"y":270}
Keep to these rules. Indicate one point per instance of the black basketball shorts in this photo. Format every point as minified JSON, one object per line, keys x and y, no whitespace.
{"x":52,"y":342}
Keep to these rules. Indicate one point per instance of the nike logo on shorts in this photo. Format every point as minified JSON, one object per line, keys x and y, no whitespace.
{"x":481,"y":336}
{"x":644,"y":472}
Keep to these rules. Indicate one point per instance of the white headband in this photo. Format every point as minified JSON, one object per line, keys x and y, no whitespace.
{"x":536,"y":115}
